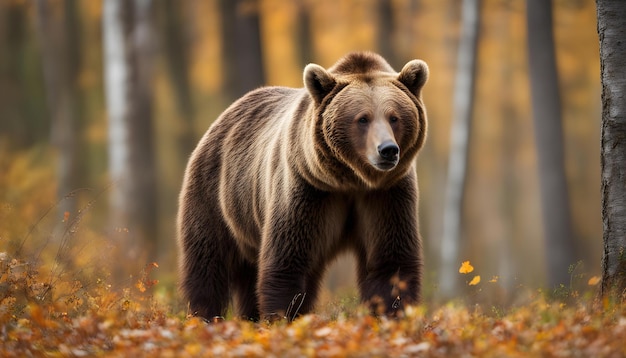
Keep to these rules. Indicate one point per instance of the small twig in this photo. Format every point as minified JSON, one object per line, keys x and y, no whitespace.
{"x":396,"y":303}
{"x":36,"y":225}
{"x":292,"y":305}
{"x":70,"y":229}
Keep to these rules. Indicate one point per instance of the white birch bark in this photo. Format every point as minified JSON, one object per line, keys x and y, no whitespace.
{"x":128,"y":56}
{"x":117,"y":91}
{"x":612,"y":33}
{"x":459,"y":147}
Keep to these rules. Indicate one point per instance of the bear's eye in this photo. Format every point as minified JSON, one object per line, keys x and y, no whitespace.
{"x":393,"y":119}
{"x":363,"y":120}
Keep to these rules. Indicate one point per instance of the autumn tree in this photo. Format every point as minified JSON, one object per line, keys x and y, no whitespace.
{"x":127,"y":31}
{"x":305,"y":50}
{"x":59,"y":42}
{"x":612,"y":33}
{"x":22,"y":105}
{"x":464,"y":91}
{"x":241,"y":42}
{"x":174,"y":46}
{"x":546,"y":108}
{"x":385,"y":31}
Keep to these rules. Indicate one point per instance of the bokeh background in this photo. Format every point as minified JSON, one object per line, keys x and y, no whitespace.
{"x":203,"y":54}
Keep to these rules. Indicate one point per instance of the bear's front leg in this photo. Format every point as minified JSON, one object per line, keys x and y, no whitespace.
{"x":288,"y":263}
{"x":389,"y":260}
{"x":282,"y":288}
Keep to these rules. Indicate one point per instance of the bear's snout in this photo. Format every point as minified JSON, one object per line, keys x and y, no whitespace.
{"x":389,"y":151}
{"x":387,"y":155}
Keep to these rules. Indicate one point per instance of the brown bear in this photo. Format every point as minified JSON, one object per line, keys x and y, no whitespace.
{"x":286,"y":179}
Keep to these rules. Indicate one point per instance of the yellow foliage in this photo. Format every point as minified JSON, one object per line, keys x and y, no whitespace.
{"x":206,"y":68}
{"x":131,"y":323}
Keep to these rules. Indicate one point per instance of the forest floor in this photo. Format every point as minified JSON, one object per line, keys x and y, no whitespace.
{"x":58,"y":298}
{"x":72,"y":316}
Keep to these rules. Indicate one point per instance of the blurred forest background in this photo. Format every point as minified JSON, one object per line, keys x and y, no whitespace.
{"x":58,"y":189}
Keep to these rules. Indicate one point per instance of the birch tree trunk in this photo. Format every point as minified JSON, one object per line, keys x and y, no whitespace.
{"x":459,"y":147}
{"x":612,"y":33}
{"x":546,"y":105}
{"x":128,"y":73}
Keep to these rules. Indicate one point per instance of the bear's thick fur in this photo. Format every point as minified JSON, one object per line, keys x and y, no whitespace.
{"x":286,"y":179}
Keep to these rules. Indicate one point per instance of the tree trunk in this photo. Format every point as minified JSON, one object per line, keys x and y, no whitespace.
{"x":305,"y":50}
{"x":242,"y":46}
{"x":459,"y":147}
{"x":385,"y":32}
{"x":128,"y":75}
{"x":177,"y":54}
{"x":60,"y":58}
{"x":20,"y":111}
{"x":612,"y":33}
{"x":546,"y":106}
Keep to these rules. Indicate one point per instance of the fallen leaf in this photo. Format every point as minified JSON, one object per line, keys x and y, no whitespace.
{"x":323,"y":332}
{"x":466,"y":267}
{"x":594,"y":281}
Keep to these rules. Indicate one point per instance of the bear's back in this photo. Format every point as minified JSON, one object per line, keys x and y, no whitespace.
{"x":248,"y":138}
{"x":260,"y":107}
{"x":251,"y":121}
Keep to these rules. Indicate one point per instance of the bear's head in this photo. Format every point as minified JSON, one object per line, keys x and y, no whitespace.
{"x":369,"y":118}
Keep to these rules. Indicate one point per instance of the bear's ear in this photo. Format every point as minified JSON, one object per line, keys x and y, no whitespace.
{"x":414,"y":75}
{"x":318,"y":81}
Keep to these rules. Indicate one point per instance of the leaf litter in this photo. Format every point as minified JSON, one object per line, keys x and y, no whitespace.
{"x":99,"y":321}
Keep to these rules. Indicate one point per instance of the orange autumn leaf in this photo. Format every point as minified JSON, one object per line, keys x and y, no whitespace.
{"x":475,"y":281}
{"x":594,"y":281}
{"x":466,"y":267}
{"x":37,"y":315}
{"x":144,"y":282}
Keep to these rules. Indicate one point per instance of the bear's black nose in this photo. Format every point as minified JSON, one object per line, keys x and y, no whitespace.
{"x":388,"y":150}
